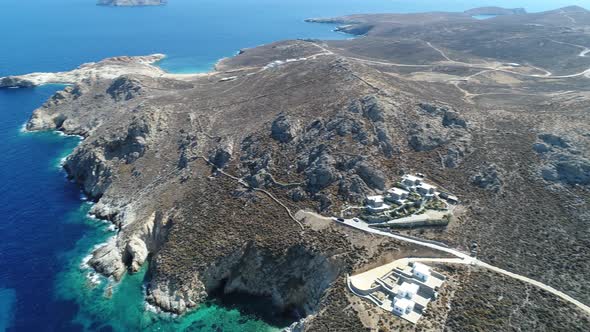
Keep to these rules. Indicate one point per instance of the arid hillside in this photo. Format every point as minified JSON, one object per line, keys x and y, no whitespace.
{"x":204,"y":174}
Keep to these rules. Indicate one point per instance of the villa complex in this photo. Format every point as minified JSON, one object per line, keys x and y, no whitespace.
{"x":403,"y":287}
{"x":411,"y":202}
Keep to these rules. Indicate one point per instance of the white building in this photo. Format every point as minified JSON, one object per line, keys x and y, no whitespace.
{"x":407,"y":290}
{"x":403,"y":306}
{"x":410,"y":180}
{"x":397,"y":194}
{"x":426,"y":189}
{"x":421,"y":271}
{"x":375,"y":201}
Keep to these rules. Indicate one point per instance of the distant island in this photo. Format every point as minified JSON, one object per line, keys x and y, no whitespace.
{"x":131,"y":3}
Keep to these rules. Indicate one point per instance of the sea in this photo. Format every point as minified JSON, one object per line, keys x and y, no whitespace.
{"x":46,"y":234}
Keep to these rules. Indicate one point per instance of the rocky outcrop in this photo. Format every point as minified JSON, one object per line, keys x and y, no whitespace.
{"x":320,"y":171}
{"x":488,"y":178}
{"x":441,"y":126}
{"x":106,"y":69}
{"x":89,"y":168}
{"x":16,"y":82}
{"x":285,"y":129}
{"x":129,"y":250}
{"x":561,"y":160}
{"x":373,"y":177}
{"x":221,"y":154}
{"x":125,"y":88}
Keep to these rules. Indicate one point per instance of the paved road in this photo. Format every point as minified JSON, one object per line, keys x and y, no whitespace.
{"x":465,"y":259}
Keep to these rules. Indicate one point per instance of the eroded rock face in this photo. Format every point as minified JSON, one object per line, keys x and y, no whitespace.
{"x":108,"y":260}
{"x":129,"y":251}
{"x":90,"y":169}
{"x":372,"y":176}
{"x":285,"y":129}
{"x":294,"y":280}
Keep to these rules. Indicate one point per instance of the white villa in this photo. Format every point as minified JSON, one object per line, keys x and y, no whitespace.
{"x":375,"y":201}
{"x":421,"y":271}
{"x":411,"y":180}
{"x":407,"y":290}
{"x":397,"y":194}
{"x":426,"y":189}
{"x":403,"y":306}
{"x":402,"y":287}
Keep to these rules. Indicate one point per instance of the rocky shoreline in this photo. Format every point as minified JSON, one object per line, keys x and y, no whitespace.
{"x":203,"y":174}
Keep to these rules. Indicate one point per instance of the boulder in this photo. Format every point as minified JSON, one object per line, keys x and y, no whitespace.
{"x":453,"y":119}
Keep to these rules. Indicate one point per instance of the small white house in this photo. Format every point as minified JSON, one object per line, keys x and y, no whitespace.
{"x":411,"y":180}
{"x":397,"y":194}
{"x":375,"y":201}
{"x":426,"y":189}
{"x":407,"y":290}
{"x":421,"y":271}
{"x":403,"y":306}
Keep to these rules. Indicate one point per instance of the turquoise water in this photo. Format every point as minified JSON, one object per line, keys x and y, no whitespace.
{"x":45,"y":231}
{"x":7,"y":302}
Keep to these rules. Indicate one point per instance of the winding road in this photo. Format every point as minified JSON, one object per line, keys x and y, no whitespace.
{"x":464,"y":258}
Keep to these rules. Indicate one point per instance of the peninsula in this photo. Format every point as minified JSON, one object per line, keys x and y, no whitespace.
{"x":275,"y":174}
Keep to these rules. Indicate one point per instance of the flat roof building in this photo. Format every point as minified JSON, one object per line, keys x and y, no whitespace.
{"x":407,"y":290}
{"x":411,"y":180}
{"x":375,"y":201}
{"x":421,"y":271}
{"x":403,"y":306}
{"x":426,"y":189}
{"x":397,"y":194}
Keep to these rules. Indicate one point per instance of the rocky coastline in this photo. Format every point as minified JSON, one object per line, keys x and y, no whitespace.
{"x":203,"y":175}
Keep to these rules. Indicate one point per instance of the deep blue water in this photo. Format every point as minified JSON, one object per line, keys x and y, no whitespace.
{"x":44,"y":230}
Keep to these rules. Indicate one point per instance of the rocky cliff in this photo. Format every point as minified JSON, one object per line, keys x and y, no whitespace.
{"x":203,"y":174}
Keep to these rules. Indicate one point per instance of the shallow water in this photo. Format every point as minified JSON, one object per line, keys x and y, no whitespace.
{"x":45,"y":231}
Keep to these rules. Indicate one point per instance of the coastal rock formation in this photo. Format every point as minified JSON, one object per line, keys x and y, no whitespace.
{"x":207,"y":177}
{"x":107,"y":69}
{"x":131,"y":3}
